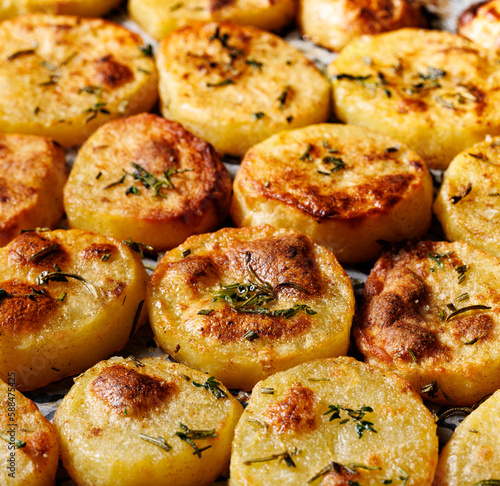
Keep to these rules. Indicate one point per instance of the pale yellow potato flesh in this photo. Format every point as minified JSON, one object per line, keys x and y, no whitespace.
{"x":468,"y":202}
{"x":64,"y":76}
{"x":32,"y":176}
{"x":433,"y":90}
{"x":29,"y":446}
{"x":114,"y":410}
{"x":346,"y":187}
{"x":240,"y":347}
{"x":50,"y":328}
{"x":194,"y":198}
{"x":289,"y":418}
{"x":160,"y":17}
{"x":235,"y":86}
{"x":472,"y":455}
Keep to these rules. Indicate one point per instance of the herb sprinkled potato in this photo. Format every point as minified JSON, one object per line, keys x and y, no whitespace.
{"x":242,"y":304}
{"x":160,"y":17}
{"x":129,"y":422}
{"x":334,"y":422}
{"x":235,"y":86}
{"x":433,"y":90}
{"x":431,"y":313}
{"x":32,"y":176}
{"x":346,"y":187}
{"x":63,"y":76}
{"x":147,"y":179}
{"x":29,"y":446}
{"x":67,"y":300}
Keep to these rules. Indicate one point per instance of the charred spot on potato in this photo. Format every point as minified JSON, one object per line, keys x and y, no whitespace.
{"x":194,"y":269}
{"x":156,"y":154}
{"x":216,"y":5}
{"x":97,"y":251}
{"x":38,"y":444}
{"x":111,"y":73}
{"x":33,"y":249}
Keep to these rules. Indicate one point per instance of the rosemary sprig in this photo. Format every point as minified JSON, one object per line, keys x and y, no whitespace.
{"x":356,"y":415}
{"x":466,"y":309}
{"x":437,"y":257}
{"x":99,"y":107}
{"x":212,"y":386}
{"x":137,"y":247}
{"x":59,"y":276}
{"x":157,"y":441}
{"x":280,"y":457}
{"x":190,"y":436}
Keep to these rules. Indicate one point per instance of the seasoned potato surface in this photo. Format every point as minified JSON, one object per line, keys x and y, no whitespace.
{"x":125,"y":420}
{"x":430,"y":313}
{"x":67,"y":300}
{"x":174,"y":185}
{"x":334,"y":422}
{"x":242,"y":304}
{"x":235,"y":85}
{"x":346,"y":187}
{"x":64,"y":76}
{"x":32,"y":176}
{"x":433,"y":90}
{"x":481,"y":24}
{"x":85,"y":8}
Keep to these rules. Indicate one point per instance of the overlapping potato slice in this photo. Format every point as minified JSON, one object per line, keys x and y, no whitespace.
{"x":480,"y":23}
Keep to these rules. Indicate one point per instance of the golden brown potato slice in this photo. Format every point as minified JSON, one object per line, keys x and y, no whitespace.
{"x":346,"y":187}
{"x":481,"y":24}
{"x":468,"y":202}
{"x":32,"y":176}
{"x":333,"y":23}
{"x":29,"y":447}
{"x":126,"y":422}
{"x":433,"y":90}
{"x":160,"y":17}
{"x":174,"y":184}
{"x":85,"y":8}
{"x":67,"y":300}
{"x":242,"y":304}
{"x":334,"y":422}
{"x":472,"y":455}
{"x":235,"y":85}
{"x":63,"y":76}
{"x":431,"y":314}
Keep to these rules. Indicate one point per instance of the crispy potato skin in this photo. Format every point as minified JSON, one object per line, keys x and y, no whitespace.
{"x":53,"y":330}
{"x":35,"y":463}
{"x":181,"y":287}
{"x":160,"y":17}
{"x":85,"y":8}
{"x":198,"y":202}
{"x":101,"y":419}
{"x":333,"y":23}
{"x":235,"y":85}
{"x":402,"y":325}
{"x":32,"y":176}
{"x":481,"y":24}
{"x":296,"y":418}
{"x":433,"y":90}
{"x":472,"y":454}
{"x":467,"y":203}
{"x":80,"y":74}
{"x":382,"y":192}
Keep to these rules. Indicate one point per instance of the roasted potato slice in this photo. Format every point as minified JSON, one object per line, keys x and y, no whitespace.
{"x":32,"y":176}
{"x":430,"y":313}
{"x":174,"y":185}
{"x":67,"y":300}
{"x":160,"y":17}
{"x":334,"y":422}
{"x":63,"y":76}
{"x":433,"y":90}
{"x":481,"y":24}
{"x":127,"y":421}
{"x":346,"y":187}
{"x":242,"y":304}
{"x":29,"y":446}
{"x":236,"y":85}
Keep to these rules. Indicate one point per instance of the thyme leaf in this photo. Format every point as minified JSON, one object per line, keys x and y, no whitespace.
{"x":153,"y":183}
{"x":189,"y":436}
{"x":357,"y":417}
{"x":137,"y":247}
{"x":212,"y":386}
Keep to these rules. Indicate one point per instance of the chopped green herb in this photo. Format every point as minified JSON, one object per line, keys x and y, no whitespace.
{"x":329,"y":149}
{"x":488,"y":482}
{"x":282,"y":98}
{"x":356,"y":415}
{"x":258,"y":115}
{"x":176,"y":6}
{"x":190,"y":436}
{"x":205,"y":312}
{"x":18,"y":443}
{"x":18,"y":54}
{"x":136,"y":318}
{"x":132,"y":190}
{"x":59,"y":276}
{"x":318,"y":379}
{"x":482,"y":158}
{"x":146,"y":50}
{"x":282,"y":456}
{"x":99,"y":175}
{"x":338,"y":163}
{"x":157,"y":441}
{"x":437,"y":257}
{"x":462,"y":271}
{"x":61,"y":297}
{"x":186,"y":253}
{"x":462,"y":297}
{"x":350,"y":77}
{"x":267,"y":391}
{"x":307,"y":154}
{"x":48,"y":65}
{"x":225,"y":82}
{"x":95,"y":110}
{"x":431,"y":390}
{"x":138,"y":363}
{"x":138,"y":247}
{"x":473,"y":341}
{"x":251,"y":335}
{"x":52,"y":80}
{"x":95,"y":90}
{"x":106,"y":257}
{"x":252,"y":62}
{"x":223,"y":39}
{"x":391,"y":150}
{"x":45,"y":251}
{"x":212,"y":386}
{"x":404,"y":476}
{"x":466,"y":309}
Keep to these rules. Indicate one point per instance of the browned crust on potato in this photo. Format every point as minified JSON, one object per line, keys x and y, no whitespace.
{"x":33,"y":249}
{"x":469,"y":14}
{"x":97,"y":251}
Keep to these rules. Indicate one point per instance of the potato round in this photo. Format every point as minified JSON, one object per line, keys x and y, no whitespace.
{"x":235,"y":85}
{"x":430,"y":313}
{"x":433,"y":90}
{"x":67,"y":300}
{"x":63,"y":76}
{"x":119,"y":424}
{"x":160,"y":17}
{"x":472,"y":455}
{"x":334,"y":422}
{"x":468,"y":201}
{"x":333,"y":23}
{"x":480,"y":23}
{"x":344,"y":186}
{"x":306,"y":311}
{"x":29,"y":449}
{"x":198,"y":201}
{"x":32,"y":176}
